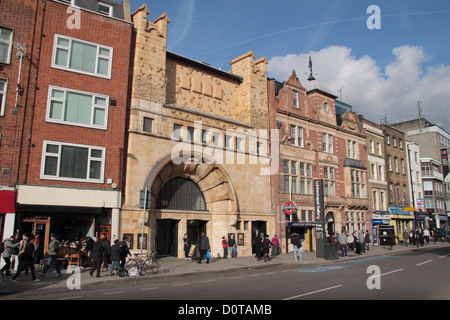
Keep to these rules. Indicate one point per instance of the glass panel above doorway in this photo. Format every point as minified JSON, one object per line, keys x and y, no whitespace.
{"x":181,"y":194}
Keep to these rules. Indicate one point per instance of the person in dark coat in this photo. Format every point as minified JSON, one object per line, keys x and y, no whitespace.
{"x":107,"y":252}
{"x":125,"y":252}
{"x":26,"y":259}
{"x":97,"y":256}
{"x":186,"y":246}
{"x":116,"y":253}
{"x":258,"y":246}
{"x":266,"y":243}
{"x":204,"y":247}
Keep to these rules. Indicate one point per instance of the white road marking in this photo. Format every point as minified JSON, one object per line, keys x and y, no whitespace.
{"x":68,"y":298}
{"x":419,"y":264}
{"x":313,"y":292}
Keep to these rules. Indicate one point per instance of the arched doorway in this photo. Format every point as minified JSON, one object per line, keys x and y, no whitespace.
{"x":178,"y":194}
{"x":185,"y":199}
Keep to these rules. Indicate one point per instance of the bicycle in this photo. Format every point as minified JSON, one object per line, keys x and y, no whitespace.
{"x":146,"y":263}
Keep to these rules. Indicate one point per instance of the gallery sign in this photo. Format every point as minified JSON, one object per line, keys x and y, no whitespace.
{"x":319,"y":218}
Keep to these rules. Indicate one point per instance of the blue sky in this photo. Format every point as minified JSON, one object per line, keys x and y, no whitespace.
{"x":391,"y":68}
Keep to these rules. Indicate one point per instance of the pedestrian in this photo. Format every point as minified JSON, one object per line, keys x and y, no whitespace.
{"x":342,"y":239}
{"x":350,"y":241}
{"x":107,"y":252}
{"x":391,"y":239}
{"x":232,"y":246}
{"x":125,"y":252}
{"x":204,"y":247}
{"x":186,"y":246}
{"x":367,"y":240}
{"x":258,"y":246}
{"x":405,"y":237}
{"x":297,"y":244}
{"x":266,"y":247}
{"x":361,"y":242}
{"x":7,"y":253}
{"x":426,"y":235}
{"x":275,"y":245}
{"x":97,"y":256}
{"x":225,"y":247}
{"x":116,"y":253}
{"x":53,"y":248}
{"x":15,"y":252}
{"x":26,"y":259}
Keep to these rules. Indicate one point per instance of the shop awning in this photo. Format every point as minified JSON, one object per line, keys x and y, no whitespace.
{"x":54,"y":210}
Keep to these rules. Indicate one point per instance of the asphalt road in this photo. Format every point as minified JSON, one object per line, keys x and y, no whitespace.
{"x":415,"y":275}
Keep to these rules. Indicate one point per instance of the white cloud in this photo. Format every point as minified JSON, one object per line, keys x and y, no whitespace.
{"x":369,"y":89}
{"x":182,"y":23}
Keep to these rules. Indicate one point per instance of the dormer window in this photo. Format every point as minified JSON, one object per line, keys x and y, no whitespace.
{"x":105,"y":9}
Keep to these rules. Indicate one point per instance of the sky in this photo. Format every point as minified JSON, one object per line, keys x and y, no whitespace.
{"x":380,"y":56}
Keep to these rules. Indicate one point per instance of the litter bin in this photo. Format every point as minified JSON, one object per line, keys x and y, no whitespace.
{"x":331,"y":251}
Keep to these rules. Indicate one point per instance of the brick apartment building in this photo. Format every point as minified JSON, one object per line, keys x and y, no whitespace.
{"x":397,"y":170}
{"x":18,"y":26}
{"x":73,"y":143}
{"x":315,"y":143}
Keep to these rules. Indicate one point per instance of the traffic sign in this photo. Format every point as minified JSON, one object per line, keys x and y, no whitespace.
{"x":289,"y":207}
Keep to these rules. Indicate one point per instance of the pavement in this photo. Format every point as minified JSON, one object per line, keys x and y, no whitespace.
{"x":176,"y":267}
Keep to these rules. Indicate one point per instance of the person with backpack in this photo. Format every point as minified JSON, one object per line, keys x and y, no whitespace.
{"x":297,"y":243}
{"x":266,"y":243}
{"x":26,"y":259}
{"x":6,"y":251}
{"x":125,"y":252}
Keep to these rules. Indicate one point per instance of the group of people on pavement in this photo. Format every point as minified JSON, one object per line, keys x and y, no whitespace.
{"x":21,"y":252}
{"x":262,"y":245}
{"x":357,"y":242}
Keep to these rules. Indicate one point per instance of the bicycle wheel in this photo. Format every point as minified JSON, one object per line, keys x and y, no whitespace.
{"x":152,"y":265}
{"x":131,"y":264}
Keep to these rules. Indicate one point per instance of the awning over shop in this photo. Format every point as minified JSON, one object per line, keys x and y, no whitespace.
{"x":53,"y":210}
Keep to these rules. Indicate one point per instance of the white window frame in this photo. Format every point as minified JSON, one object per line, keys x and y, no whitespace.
{"x":10,"y":45}
{"x":46,"y":154}
{"x":3,"y":93}
{"x":57,"y":46}
{"x":93,"y":107}
{"x":110,"y":7}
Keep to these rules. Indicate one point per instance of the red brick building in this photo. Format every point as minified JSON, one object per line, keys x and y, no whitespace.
{"x":73,"y":151}
{"x":18,"y":26}
{"x":316,"y":143}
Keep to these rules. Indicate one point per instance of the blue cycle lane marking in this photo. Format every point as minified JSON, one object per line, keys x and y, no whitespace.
{"x":333,"y":268}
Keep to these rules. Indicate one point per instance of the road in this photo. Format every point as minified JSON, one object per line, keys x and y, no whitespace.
{"x":413,"y":275}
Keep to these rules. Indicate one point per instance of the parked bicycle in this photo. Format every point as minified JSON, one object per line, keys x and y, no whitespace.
{"x":147,"y":263}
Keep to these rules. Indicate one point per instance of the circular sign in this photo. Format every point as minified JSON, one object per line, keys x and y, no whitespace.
{"x":289,"y":207}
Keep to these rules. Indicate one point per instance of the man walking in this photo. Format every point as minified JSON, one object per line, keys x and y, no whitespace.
{"x":52,"y":257}
{"x":297,"y":243}
{"x":342,"y":239}
{"x":204,"y":247}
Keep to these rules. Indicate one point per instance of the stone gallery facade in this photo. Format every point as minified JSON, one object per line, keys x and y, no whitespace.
{"x":198,"y":141}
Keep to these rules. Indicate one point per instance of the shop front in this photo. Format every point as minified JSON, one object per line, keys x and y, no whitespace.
{"x":380,"y":219}
{"x":70,"y":214}
{"x":401,"y":219}
{"x":304,"y":230}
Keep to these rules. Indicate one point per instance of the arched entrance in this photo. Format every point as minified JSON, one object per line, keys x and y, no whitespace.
{"x":188,"y":198}
{"x":178,"y":194}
